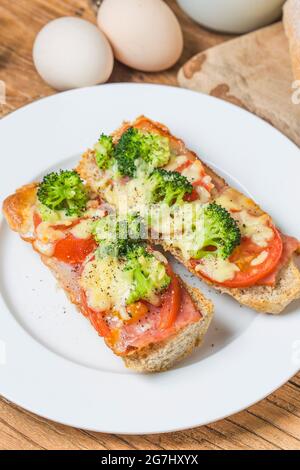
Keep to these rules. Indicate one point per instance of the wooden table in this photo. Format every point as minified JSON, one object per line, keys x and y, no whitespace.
{"x":274,"y":423}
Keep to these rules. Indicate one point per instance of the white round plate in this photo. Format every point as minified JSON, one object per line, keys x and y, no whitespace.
{"x":51,"y":360}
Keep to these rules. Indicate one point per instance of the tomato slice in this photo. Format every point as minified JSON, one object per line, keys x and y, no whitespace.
{"x":244,"y":254}
{"x":193,"y":196}
{"x":201,"y":181}
{"x":183,"y":166}
{"x":96,"y":318}
{"x":74,"y":250}
{"x":171,"y":301}
{"x":37,"y":220}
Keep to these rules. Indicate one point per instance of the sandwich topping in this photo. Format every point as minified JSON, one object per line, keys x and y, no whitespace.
{"x":128,"y":290}
{"x":225,"y":237}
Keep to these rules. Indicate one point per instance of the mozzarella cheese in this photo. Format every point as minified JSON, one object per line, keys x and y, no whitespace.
{"x":105,"y":284}
{"x":46,"y":249}
{"x":83,"y":229}
{"x":254,"y":225}
{"x":260,"y":258}
{"x":175,"y":162}
{"x":233,"y":200}
{"x":47,"y":234}
{"x":194,"y":171}
{"x":129,"y":196}
{"x":217,"y":269}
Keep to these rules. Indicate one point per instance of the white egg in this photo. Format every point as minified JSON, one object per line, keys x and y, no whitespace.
{"x":145,"y":34}
{"x":71,"y":53}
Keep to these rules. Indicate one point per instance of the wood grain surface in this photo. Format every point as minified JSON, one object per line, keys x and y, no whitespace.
{"x":274,"y":423}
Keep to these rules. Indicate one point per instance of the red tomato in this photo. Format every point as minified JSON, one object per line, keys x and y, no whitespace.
{"x":171,"y":300}
{"x":96,"y":318}
{"x":199,"y":182}
{"x":193,"y":196}
{"x":74,"y":250}
{"x":36,"y":220}
{"x":183,"y":166}
{"x":249,"y":274}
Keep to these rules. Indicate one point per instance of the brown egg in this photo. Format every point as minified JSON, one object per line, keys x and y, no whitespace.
{"x":145,"y":35}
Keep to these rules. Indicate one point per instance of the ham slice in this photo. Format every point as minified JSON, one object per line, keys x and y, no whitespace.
{"x":137,"y":335}
{"x":290,"y":245}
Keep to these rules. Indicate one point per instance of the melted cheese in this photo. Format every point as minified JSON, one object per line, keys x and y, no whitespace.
{"x":254,"y":225}
{"x":217,"y":269}
{"x":83,"y":229}
{"x":193,"y":172}
{"x":95,"y":212}
{"x":105,"y":284}
{"x":187,"y":244}
{"x":175,"y":162}
{"x":46,"y":249}
{"x":203,"y":194}
{"x":233,"y":200}
{"x":129,"y":196}
{"x":161,"y":220}
{"x":260,"y":258}
{"x":47,"y":234}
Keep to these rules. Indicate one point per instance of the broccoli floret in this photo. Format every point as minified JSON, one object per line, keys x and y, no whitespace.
{"x":155,"y":149}
{"x":104,"y":232}
{"x":63,"y":191}
{"x":104,"y":152}
{"x":146,"y":274}
{"x":51,"y":216}
{"x":132,"y":228}
{"x":115,"y":237}
{"x":220,"y":232}
{"x":134,"y":144}
{"x":168,"y":187}
{"x":127,"y":151}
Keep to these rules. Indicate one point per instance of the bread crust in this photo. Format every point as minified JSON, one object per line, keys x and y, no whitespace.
{"x":264,"y":299}
{"x":17,"y":210}
{"x":291,"y":22}
{"x":161,"y":356}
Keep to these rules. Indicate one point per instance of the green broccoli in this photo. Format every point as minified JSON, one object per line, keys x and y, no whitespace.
{"x":104,"y":152}
{"x":145,"y":274}
{"x":114,"y":236}
{"x":168,"y":187}
{"x":63,"y":191}
{"x":148,"y":147}
{"x":220,"y":233}
{"x":155,"y":149}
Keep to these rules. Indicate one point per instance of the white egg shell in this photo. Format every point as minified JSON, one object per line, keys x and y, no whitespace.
{"x":71,"y":53}
{"x":144,"y":34}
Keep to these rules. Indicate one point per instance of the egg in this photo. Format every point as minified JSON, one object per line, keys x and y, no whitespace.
{"x":70,"y":52}
{"x":144,"y":35}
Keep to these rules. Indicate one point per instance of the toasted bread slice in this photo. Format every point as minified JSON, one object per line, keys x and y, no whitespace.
{"x":260,"y":298}
{"x":155,"y":357}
